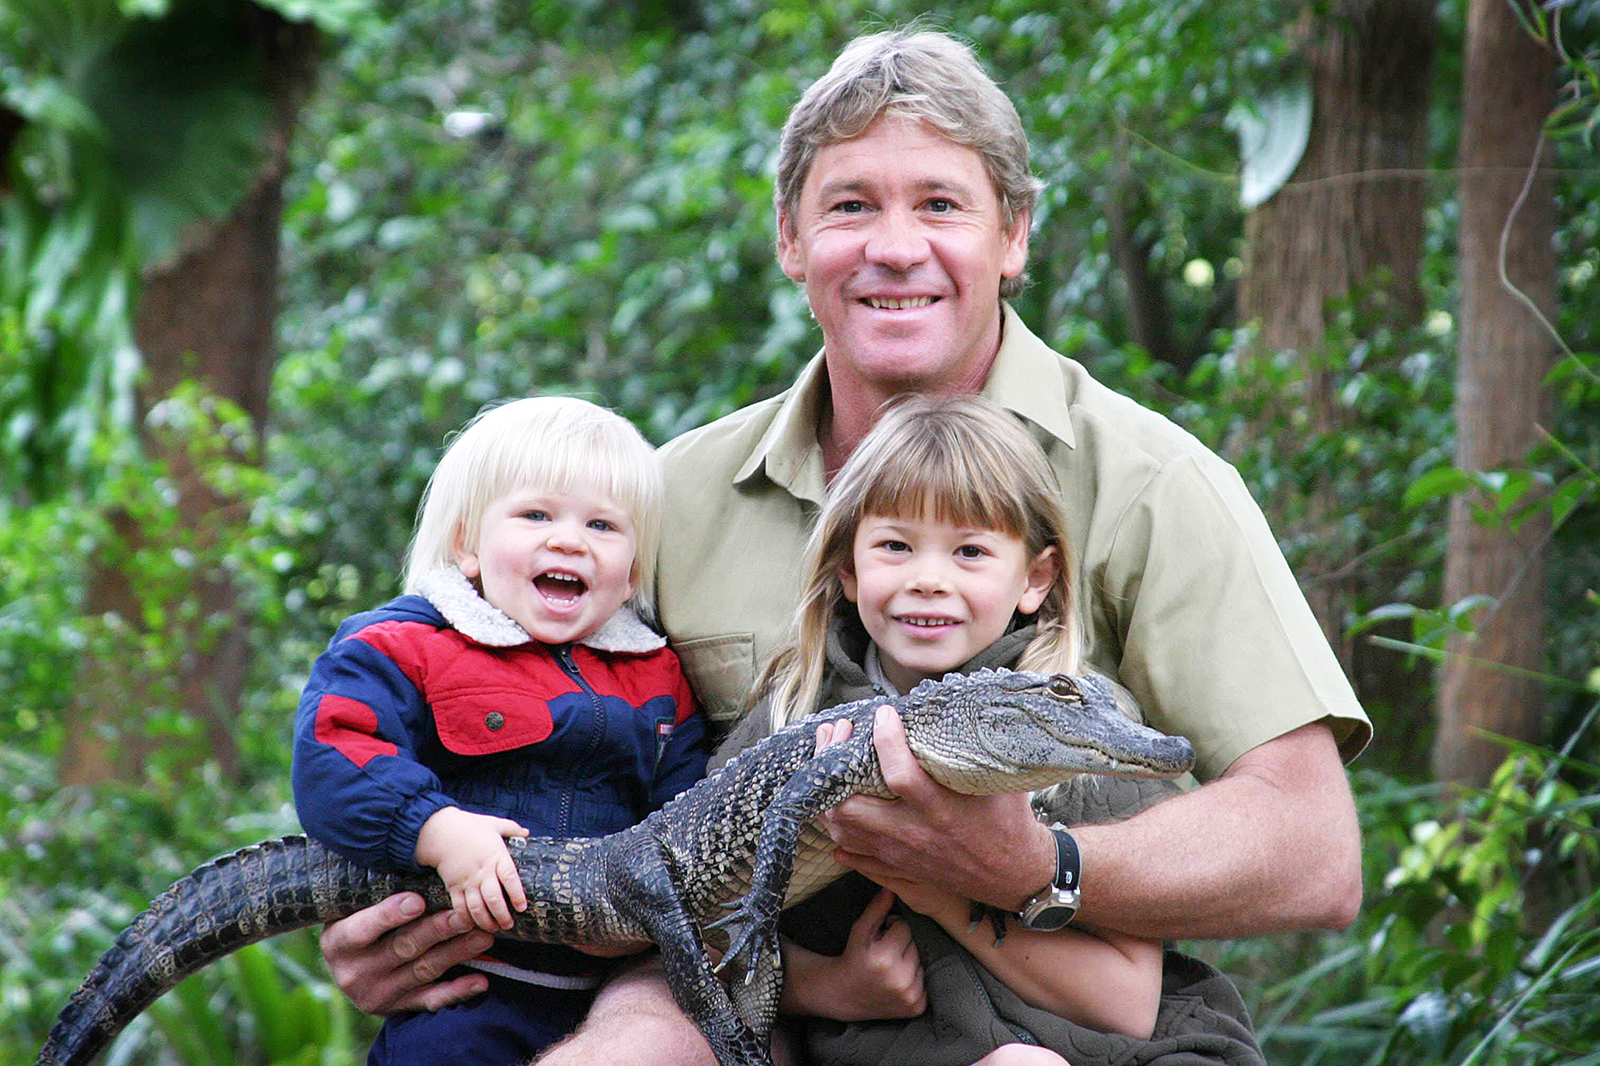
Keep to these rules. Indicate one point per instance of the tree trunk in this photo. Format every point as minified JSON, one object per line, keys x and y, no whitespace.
{"x":1349,"y":219}
{"x":1504,"y":356}
{"x":206,"y":316}
{"x":1149,"y":319}
{"x":11,"y":123}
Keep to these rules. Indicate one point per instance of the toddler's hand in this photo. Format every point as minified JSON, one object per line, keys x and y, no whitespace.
{"x":469,"y":851}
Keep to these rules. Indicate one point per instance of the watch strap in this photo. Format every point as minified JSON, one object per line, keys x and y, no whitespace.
{"x":1056,"y":904}
{"x":1069,"y":868}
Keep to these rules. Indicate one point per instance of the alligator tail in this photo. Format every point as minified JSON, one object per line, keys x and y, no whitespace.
{"x":272,"y":887}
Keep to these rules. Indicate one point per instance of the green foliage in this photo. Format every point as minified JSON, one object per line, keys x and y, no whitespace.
{"x":41,"y":554}
{"x":47,"y":550}
{"x":1480,"y":941}
{"x":1560,"y":483}
{"x":336,"y":17}
{"x":140,"y":120}
{"x":1571,"y":30}
{"x":287,"y":1014}
{"x":78,"y":865}
{"x":67,"y":270}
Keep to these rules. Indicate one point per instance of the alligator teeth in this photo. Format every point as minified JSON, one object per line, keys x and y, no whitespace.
{"x":885,"y":303}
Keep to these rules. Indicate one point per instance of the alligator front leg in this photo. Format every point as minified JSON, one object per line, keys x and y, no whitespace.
{"x":838,"y":772}
{"x":643,"y":888}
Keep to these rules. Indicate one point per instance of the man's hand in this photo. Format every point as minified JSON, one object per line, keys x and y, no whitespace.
{"x":988,"y":848}
{"x":386,"y":958}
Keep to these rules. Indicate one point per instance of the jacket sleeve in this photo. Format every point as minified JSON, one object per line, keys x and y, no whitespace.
{"x":683,"y":761}
{"x":358,"y":786}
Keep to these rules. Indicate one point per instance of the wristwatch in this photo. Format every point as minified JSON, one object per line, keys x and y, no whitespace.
{"x":1056,"y":904}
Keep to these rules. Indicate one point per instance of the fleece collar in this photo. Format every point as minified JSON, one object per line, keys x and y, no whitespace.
{"x":453,"y":596}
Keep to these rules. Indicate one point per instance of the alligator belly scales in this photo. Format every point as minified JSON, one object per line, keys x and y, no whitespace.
{"x":715,"y":865}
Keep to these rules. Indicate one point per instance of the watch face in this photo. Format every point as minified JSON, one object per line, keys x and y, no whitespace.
{"x":1050,"y":917}
{"x":1052,"y":912}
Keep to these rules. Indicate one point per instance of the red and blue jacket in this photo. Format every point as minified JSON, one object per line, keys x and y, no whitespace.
{"x":405,"y":714}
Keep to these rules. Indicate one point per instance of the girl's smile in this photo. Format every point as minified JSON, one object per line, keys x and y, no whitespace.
{"x":933,"y":594}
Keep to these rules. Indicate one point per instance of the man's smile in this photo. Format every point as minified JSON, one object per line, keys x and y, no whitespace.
{"x":891,"y":303}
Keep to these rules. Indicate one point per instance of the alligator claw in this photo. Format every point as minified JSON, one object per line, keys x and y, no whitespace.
{"x":735,"y":913}
{"x":978,"y":913}
{"x":748,"y":932}
{"x":753,"y":940}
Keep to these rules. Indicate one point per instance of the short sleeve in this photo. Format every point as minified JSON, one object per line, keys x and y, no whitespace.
{"x":1218,"y":642}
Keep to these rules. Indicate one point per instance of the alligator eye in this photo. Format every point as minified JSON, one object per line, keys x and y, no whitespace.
{"x":1062,"y":686}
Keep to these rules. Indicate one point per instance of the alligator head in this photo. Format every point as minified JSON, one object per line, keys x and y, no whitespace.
{"x":1009,"y":731}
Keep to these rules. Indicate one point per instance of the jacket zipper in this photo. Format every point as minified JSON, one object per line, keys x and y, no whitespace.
{"x":598,"y":722}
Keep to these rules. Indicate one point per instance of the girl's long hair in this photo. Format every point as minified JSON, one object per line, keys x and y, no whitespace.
{"x":964,"y":461}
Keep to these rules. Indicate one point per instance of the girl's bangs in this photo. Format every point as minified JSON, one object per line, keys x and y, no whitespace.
{"x":948,"y":485}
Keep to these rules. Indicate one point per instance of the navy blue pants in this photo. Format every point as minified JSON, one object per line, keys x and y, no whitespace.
{"x":506,"y":1026}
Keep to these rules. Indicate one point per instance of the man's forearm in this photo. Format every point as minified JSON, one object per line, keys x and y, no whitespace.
{"x":1270,"y":846}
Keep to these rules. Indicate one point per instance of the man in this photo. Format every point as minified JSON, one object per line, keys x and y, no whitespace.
{"x":903,"y":205}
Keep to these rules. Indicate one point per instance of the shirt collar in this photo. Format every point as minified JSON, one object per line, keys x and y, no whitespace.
{"x":875,"y":674}
{"x":788,"y":449}
{"x":1026,"y":379}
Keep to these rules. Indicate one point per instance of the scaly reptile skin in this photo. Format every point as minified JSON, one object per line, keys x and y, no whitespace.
{"x":676,"y":878}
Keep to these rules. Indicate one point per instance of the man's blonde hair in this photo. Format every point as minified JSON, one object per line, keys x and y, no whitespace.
{"x":963,"y":460}
{"x":551,"y":443}
{"x":925,"y":76}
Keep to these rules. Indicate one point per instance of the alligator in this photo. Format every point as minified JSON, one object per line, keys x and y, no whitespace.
{"x":711,"y":867}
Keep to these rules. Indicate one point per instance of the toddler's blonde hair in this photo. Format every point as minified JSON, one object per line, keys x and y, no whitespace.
{"x":554,"y":444}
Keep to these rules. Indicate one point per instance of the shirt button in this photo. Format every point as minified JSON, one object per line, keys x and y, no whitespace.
{"x":495,"y":721}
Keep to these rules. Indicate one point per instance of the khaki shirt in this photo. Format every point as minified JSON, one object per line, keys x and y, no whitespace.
{"x":1186,"y":598}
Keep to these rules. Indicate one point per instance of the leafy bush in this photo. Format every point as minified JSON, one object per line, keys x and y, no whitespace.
{"x":1481,"y":940}
{"x":77,"y":865}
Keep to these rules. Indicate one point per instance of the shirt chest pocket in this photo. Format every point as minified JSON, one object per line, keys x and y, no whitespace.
{"x":491,"y":719}
{"x":720,"y":670}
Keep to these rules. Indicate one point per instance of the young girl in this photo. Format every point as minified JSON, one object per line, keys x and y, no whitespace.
{"x":514,"y":688}
{"x":941,"y":547}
